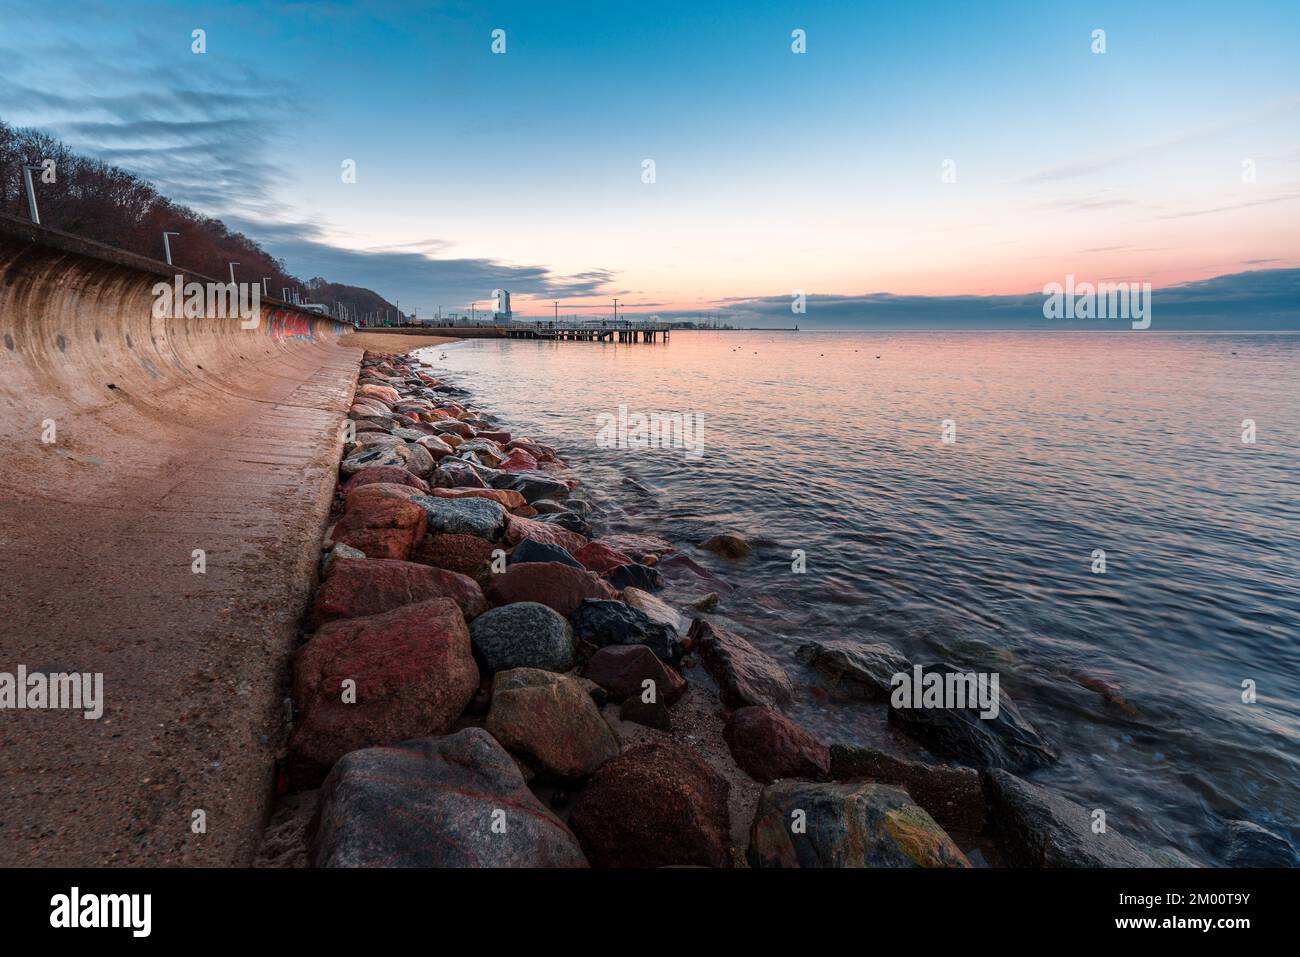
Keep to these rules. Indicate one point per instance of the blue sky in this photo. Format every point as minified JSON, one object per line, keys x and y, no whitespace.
{"x":774,"y":172}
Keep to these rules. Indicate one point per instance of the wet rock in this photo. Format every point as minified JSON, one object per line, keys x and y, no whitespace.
{"x":503,"y":497}
{"x":380,"y":526}
{"x":857,"y":824}
{"x":602,"y":622}
{"x":524,"y":634}
{"x":531,"y":485}
{"x":656,"y":609}
{"x":1007,"y":741}
{"x":499,"y":436}
{"x":454,"y":427}
{"x":656,"y":805}
{"x":600,"y":558}
{"x":556,"y":585}
{"x":706,"y":604}
{"x":550,"y":721}
{"x":651,"y":713}
{"x":463,"y":516}
{"x":356,"y":588}
{"x":386,"y":394}
{"x":435,"y":446}
{"x":859,"y":670}
{"x":379,"y":490}
{"x":531,"y":551}
{"x":639,"y":546}
{"x":1249,"y":845}
{"x":545,"y":506}
{"x":1034,"y":827}
{"x":413,"y":673}
{"x":745,"y":675}
{"x":416,"y":458}
{"x":432,"y":803}
{"x":388,"y":474}
{"x":568,"y":520}
{"x":623,"y":670}
{"x":518,"y":461}
{"x":517,"y":529}
{"x":728,"y":546}
{"x":641,"y":577}
{"x":466,"y":554}
{"x":769,"y":746}
{"x":684,"y":569}
{"x":952,"y":796}
{"x":456,"y":473}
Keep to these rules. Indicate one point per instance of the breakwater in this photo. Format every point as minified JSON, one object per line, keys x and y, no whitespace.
{"x":488,"y":680}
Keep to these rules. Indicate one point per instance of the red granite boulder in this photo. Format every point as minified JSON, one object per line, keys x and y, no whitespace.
{"x":548,"y":533}
{"x":558,"y":586}
{"x":600,"y":558}
{"x":467,"y":554}
{"x":394,"y":474}
{"x":654,"y":806}
{"x":745,"y":675}
{"x":358,"y":587}
{"x":769,"y":746}
{"x":381,"y":526}
{"x":622,"y":670}
{"x":413,"y":671}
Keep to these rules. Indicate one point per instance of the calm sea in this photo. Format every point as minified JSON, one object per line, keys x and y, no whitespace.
{"x":979,"y":552}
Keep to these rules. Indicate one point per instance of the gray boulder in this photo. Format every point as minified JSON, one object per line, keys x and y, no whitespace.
{"x":452,"y":801}
{"x":463,"y":516}
{"x":863,"y":671}
{"x":523,"y":634}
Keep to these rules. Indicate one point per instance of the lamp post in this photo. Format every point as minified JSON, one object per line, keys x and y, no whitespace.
{"x":232,"y":273}
{"x":31,"y":192}
{"x":167,"y":245}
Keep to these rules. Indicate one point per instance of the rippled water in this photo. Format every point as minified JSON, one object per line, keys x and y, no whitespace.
{"x":979,"y":552}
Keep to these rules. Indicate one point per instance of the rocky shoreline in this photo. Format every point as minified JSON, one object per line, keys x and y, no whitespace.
{"x":486,"y":681}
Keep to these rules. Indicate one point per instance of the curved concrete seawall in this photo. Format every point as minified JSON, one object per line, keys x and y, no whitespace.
{"x":132,"y":444}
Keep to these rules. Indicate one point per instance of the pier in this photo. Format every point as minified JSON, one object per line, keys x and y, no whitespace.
{"x":570,"y":331}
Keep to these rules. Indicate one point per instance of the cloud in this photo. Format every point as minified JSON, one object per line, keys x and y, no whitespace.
{"x":1259,"y":299}
{"x":412,"y":276}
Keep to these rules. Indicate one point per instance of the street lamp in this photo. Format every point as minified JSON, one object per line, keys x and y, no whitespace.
{"x":232,"y":273}
{"x":31,"y":191}
{"x":167,"y":246}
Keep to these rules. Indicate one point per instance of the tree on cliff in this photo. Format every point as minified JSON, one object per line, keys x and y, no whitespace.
{"x":110,"y":205}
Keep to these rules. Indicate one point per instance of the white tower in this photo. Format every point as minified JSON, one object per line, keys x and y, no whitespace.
{"x":503,"y":305}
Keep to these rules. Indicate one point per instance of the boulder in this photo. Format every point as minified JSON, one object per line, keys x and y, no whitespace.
{"x":639,"y":546}
{"x":553,"y":584}
{"x":463,"y":516}
{"x":952,"y":796}
{"x":457,"y":473}
{"x":638,"y":576}
{"x":517,"y":529}
{"x":531,"y":551}
{"x":859,"y":670}
{"x":1249,"y":845}
{"x":656,"y":805}
{"x":531,"y":485}
{"x":602,"y":622}
{"x":769,"y":746}
{"x":433,"y":803}
{"x":545,"y":506}
{"x":550,"y":721}
{"x":518,"y":461}
{"x":567,"y":520}
{"x":656,"y":609}
{"x":622,"y":670}
{"x":466,"y":554}
{"x":369,"y":458}
{"x":357,"y":588}
{"x":380,"y":526}
{"x":651,"y":714}
{"x":728,"y":546}
{"x":379,"y":490}
{"x":1034,"y":827}
{"x":687,"y":570}
{"x":504,"y":497}
{"x":413,"y":673}
{"x":600,"y":558}
{"x":1005,"y":741}
{"x":856,"y":824}
{"x":388,"y":474}
{"x":524,"y":634}
{"x":745,"y":675}
{"x":416,"y":458}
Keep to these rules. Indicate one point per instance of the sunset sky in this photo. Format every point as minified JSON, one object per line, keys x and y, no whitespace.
{"x":775,"y":171}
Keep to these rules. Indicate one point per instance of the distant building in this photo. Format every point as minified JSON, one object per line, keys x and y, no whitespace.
{"x":315,"y":307}
{"x":503,"y":313}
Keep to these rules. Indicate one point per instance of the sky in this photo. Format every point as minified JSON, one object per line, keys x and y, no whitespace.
{"x":916,"y":155}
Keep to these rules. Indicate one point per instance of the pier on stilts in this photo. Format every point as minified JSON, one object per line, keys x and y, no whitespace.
{"x":591,"y":331}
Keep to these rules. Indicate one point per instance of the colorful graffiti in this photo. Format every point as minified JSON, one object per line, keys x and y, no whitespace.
{"x":290,"y":325}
